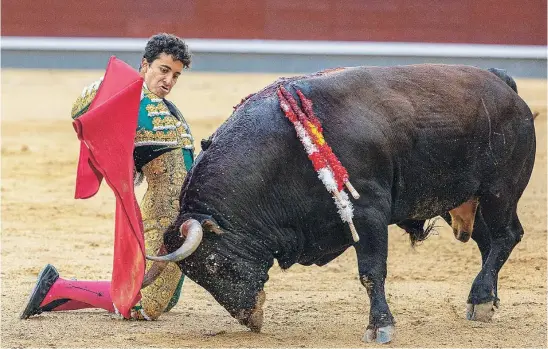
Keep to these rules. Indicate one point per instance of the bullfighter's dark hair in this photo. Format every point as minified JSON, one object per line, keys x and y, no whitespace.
{"x":168,"y":44}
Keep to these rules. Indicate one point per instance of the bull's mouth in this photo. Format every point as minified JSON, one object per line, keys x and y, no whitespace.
{"x":253,"y":318}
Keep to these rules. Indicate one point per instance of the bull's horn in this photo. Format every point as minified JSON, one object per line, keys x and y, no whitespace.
{"x":152,"y":274}
{"x":155,"y":270}
{"x":192,"y":230}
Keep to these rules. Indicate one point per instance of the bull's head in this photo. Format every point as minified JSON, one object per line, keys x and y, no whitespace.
{"x":206,"y":254}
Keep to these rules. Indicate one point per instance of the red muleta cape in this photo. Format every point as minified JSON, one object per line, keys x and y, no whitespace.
{"x":107,"y":135}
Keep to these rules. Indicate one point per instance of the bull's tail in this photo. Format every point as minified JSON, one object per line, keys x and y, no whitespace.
{"x":501,"y":73}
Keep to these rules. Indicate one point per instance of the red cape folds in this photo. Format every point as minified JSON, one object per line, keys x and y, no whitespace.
{"x":107,"y":135}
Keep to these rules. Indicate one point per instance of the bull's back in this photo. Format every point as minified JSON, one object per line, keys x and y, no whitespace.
{"x":427,"y":96}
{"x":441,"y":132}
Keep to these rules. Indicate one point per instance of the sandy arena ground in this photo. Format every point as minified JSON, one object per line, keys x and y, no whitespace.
{"x":306,"y":306}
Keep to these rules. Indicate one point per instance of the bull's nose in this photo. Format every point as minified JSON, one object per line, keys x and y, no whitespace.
{"x":254,"y":321}
{"x":253,"y":318}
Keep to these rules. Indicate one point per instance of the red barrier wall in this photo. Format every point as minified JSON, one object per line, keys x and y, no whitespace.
{"x":450,"y":21}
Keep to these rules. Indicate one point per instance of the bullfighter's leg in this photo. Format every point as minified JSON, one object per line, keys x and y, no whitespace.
{"x":372,"y":252}
{"x":54,"y":293}
{"x":159,"y":207}
{"x":165,"y":175}
{"x":505,"y":231}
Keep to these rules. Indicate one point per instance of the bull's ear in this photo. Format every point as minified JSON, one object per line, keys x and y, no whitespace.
{"x":205,"y":143}
{"x":210,"y":226}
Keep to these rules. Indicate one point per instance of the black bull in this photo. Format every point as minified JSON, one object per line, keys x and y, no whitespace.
{"x":417,"y":141}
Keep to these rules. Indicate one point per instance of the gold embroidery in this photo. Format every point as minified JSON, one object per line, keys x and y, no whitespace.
{"x":166,"y":121}
{"x":167,"y":137}
{"x":84,"y":100}
{"x":150,"y":95}
{"x":147,"y":135}
{"x":160,"y":206}
{"x":183,"y":129}
{"x":159,"y":127}
{"x":155,"y":109}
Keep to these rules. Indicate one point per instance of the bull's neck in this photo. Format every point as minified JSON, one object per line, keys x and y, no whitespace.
{"x":259,"y":231}
{"x":274,"y":229}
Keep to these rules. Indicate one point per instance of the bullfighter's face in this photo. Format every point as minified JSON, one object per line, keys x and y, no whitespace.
{"x":161,"y":74}
{"x":235,"y":280}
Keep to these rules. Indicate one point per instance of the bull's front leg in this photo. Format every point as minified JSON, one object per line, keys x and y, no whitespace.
{"x":372,"y":251}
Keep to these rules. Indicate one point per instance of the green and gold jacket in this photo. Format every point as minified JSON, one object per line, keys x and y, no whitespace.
{"x":163,"y":154}
{"x":160,"y":127}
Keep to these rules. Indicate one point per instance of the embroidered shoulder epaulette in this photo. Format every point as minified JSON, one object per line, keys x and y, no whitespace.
{"x":158,"y":125}
{"x":83,"y":101}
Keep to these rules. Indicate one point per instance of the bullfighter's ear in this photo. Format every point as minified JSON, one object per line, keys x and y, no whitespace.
{"x":210,"y":226}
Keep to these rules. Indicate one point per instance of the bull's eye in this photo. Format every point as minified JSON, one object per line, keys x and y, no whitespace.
{"x":220,"y":266}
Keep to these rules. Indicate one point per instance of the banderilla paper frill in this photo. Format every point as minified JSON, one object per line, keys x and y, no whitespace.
{"x":330,"y":170}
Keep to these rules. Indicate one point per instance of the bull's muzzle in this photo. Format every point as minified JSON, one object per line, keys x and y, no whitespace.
{"x":253,"y":318}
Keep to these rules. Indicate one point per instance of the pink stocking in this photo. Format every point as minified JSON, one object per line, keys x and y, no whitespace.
{"x":81,"y":294}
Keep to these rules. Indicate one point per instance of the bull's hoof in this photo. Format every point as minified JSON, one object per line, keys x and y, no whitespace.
{"x":380,"y":335}
{"x":480,"y":312}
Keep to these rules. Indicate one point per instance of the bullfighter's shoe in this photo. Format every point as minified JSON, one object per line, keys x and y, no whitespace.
{"x":46,"y":279}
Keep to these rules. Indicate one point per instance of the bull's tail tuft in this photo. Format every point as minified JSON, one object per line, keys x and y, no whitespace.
{"x":501,"y":73}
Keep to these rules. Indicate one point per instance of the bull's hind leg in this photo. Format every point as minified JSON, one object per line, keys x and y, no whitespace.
{"x":372,"y":251}
{"x":482,"y":237}
{"x":504,"y":232}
